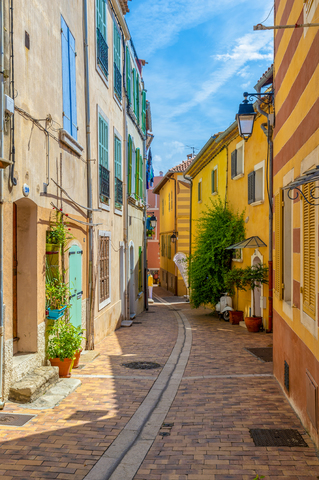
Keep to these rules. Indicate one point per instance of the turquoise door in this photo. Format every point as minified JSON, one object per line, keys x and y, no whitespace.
{"x":75,"y":285}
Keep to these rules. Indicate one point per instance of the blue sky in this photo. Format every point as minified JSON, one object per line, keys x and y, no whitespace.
{"x":202,"y":55}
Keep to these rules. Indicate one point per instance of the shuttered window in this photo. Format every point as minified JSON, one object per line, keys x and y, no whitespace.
{"x":278,"y":245}
{"x":237,"y":161}
{"x":139,"y":173}
{"x":169,"y":247}
{"x":118,"y":157}
{"x":101,"y":17}
{"x":128,"y":75}
{"x":134,"y":89}
{"x":129,"y":164}
{"x":309,"y":253}
{"x":233,"y":163}
{"x":199,"y":191}
{"x":104,"y":174}
{"x":144,"y":112}
{"x":117,"y":75}
{"x":137,"y":93}
{"x":214,"y":180}
{"x":104,"y":264}
{"x":68,"y":80}
{"x":251,"y":187}
{"x":172,"y":200}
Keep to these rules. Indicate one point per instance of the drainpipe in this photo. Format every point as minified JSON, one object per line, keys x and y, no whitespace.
{"x":89,"y":318}
{"x":145,"y":238}
{"x":267,"y":129}
{"x":1,"y":209}
{"x":126,"y":312}
{"x":175,"y":228}
{"x":188,"y":177}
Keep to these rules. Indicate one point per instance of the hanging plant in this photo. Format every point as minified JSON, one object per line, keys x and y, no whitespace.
{"x":58,"y":233}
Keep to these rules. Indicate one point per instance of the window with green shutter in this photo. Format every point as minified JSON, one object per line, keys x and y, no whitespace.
{"x":117,"y":61}
{"x":134,"y":89}
{"x":129,"y":164}
{"x":137,"y":170}
{"x":128,"y":76}
{"x":137,"y":93}
{"x":144,"y":112}
{"x":101,"y":36}
{"x":118,"y":172}
{"x":104,"y":174}
{"x":140,"y":177}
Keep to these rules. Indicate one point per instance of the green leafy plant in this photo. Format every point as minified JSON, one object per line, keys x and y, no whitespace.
{"x":218,"y":228}
{"x":255,"y":276}
{"x":59,"y":232}
{"x":259,"y":477}
{"x":56,"y":292}
{"x":64,"y":339}
{"x":234,"y":280}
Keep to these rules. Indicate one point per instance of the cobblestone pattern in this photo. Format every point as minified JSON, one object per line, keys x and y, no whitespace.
{"x":65,"y":442}
{"x":210,"y":437}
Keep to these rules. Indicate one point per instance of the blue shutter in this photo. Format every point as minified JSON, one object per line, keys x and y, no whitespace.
{"x":72,"y":54}
{"x":101,"y":17}
{"x":103,"y":143}
{"x":65,"y":77}
{"x":128,"y":75}
{"x":118,"y":158}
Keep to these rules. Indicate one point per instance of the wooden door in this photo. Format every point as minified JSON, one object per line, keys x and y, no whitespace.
{"x":75,"y":285}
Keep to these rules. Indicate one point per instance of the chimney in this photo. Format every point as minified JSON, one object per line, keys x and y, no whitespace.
{"x":189,"y":156}
{"x":160,"y":174}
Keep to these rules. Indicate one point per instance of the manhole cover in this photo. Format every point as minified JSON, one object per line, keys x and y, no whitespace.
{"x":141,"y":365}
{"x":14,"y":419}
{"x":277,"y":438}
{"x":264,"y":354}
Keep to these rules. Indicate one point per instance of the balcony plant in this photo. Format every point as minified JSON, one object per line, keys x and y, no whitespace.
{"x":253,"y":277}
{"x":234,"y":281}
{"x":58,"y":234}
{"x":64,"y":340}
{"x":57,"y":296}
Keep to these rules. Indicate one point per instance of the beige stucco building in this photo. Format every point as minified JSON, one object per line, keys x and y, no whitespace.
{"x":68,"y":137}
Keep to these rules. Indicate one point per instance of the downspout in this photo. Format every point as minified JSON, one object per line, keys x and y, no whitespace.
{"x":126,"y":312}
{"x":187,"y":177}
{"x":90,"y":312}
{"x":13,"y":148}
{"x":175,"y":228}
{"x":145,"y":238}
{"x":267,"y":129}
{"x":1,"y":211}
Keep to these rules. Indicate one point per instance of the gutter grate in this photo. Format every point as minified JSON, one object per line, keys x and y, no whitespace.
{"x":141,"y":365}
{"x":14,"y":419}
{"x":277,"y":438}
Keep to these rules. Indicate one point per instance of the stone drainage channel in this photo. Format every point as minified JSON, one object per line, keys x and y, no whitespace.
{"x":125,"y":455}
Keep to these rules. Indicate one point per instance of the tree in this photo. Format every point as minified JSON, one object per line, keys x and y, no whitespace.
{"x":218,"y":228}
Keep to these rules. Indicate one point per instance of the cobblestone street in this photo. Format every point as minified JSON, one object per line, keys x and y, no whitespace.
{"x":224,"y":391}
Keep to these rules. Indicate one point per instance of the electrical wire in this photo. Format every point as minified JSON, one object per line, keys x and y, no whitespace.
{"x":268,"y":14}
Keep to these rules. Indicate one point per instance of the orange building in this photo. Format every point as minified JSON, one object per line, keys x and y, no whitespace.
{"x":153,"y":240}
{"x":296,"y":155}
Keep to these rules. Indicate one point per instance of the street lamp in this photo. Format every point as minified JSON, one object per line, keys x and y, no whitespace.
{"x":153,"y":221}
{"x":174,"y":237}
{"x":245,"y":118}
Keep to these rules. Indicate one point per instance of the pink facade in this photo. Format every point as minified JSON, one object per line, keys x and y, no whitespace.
{"x":153,"y":247}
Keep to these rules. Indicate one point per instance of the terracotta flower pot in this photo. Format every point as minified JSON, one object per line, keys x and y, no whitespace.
{"x":77,"y":358}
{"x":64,"y":367}
{"x":236,"y":316}
{"x":253,"y":323}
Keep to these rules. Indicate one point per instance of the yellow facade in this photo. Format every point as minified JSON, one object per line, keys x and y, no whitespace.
{"x":174,"y":205}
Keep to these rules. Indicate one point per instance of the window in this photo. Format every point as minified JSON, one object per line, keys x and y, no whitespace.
{"x":140,"y":264}
{"x":118,"y":172}
{"x":214,"y":180}
{"x":101,"y":37}
{"x":256,"y":184}
{"x":309,"y":253}
{"x":137,"y":100}
{"x":104,"y":269}
{"x":104,"y":174}
{"x":117,"y":62}
{"x":139,"y":173}
{"x":237,"y":160}
{"x":287,"y":246}
{"x":128,"y":76}
{"x":199,"y":191}
{"x":129,"y":164}
{"x":68,"y":80}
{"x":237,"y":255}
{"x":144,"y":112}
{"x":169,"y":247}
{"x":278,"y":245}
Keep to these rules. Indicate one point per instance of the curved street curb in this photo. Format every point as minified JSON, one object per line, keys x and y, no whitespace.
{"x":125,"y":455}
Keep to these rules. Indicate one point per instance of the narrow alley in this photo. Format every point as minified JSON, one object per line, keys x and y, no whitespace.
{"x":203,"y":432}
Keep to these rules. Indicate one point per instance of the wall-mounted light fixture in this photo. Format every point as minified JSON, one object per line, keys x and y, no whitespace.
{"x":246,"y":114}
{"x":174,"y":237}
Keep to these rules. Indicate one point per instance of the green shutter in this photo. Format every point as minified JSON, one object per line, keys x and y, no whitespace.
{"x":140,"y":283}
{"x":101,"y":17}
{"x":140,"y":177}
{"x":137,"y":171}
{"x":129,"y":162}
{"x":144,"y":111}
{"x":118,"y":158}
{"x":117,"y":47}
{"x":128,"y":75}
{"x":103,"y":143}
{"x":134,"y":89}
{"x":137,"y":93}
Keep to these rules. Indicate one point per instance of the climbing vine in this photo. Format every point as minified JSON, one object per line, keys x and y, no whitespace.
{"x":218,"y":227}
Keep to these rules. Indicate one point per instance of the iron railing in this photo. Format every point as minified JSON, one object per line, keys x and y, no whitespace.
{"x":117,"y":81}
{"x":104,"y":182}
{"x":102,"y":52}
{"x":118,"y":191}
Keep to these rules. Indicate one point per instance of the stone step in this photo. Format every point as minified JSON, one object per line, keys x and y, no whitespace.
{"x":33,"y":385}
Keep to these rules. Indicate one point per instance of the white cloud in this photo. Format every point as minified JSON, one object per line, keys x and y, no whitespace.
{"x":157,"y":159}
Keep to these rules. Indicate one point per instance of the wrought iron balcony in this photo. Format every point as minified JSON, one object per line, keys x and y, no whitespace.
{"x":118,"y":191}
{"x":117,"y":81}
{"x":102,"y":52}
{"x":104,"y":182}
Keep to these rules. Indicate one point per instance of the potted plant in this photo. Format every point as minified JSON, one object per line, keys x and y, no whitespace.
{"x":78,"y":344}
{"x":253,"y":277}
{"x":58,"y":234}
{"x":234,"y":280}
{"x":64,"y":340}
{"x":57,"y":297}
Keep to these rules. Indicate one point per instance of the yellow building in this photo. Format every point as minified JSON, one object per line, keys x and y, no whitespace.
{"x":296,"y":152}
{"x":174,"y":204}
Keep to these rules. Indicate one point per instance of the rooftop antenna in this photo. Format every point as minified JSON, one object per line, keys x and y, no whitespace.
{"x":192,"y":148}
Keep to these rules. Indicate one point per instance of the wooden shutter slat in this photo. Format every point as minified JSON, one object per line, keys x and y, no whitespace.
{"x":233,"y":163}
{"x":278,"y":245}
{"x":251,"y":187}
{"x":309,"y":253}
